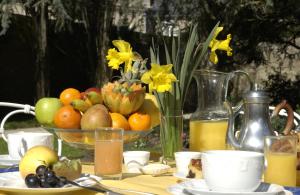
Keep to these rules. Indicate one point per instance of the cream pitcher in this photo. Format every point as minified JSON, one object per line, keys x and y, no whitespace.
{"x":256,"y":122}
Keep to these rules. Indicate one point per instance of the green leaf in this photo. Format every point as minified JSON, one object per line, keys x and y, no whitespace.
{"x":169,"y":61}
{"x":152,"y":55}
{"x":189,"y":49}
{"x":198,"y":58}
{"x":177,"y":60}
{"x":174,"y":50}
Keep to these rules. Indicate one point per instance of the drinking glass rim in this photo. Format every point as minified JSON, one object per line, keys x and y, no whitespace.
{"x":207,"y":72}
{"x":110,"y":129}
{"x":173,"y":115}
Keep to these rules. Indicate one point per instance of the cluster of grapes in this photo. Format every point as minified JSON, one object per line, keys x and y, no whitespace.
{"x":44,"y":178}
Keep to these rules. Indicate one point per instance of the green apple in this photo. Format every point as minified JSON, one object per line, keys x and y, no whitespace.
{"x":45,"y":110}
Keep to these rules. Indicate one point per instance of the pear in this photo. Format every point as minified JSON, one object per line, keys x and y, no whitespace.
{"x":95,"y":117}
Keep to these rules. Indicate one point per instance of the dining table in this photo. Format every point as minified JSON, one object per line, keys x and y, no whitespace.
{"x":150,"y":184}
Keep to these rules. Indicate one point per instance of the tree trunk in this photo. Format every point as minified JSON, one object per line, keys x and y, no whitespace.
{"x":103,"y":72}
{"x":98,"y":17}
{"x":41,"y":66}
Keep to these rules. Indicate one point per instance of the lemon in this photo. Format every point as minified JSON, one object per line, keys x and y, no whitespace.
{"x":35,"y":156}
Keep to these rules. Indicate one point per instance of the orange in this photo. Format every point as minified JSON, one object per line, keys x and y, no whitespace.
{"x":119,"y":121}
{"x":139,"y":121}
{"x":69,"y":94}
{"x":67,"y":118}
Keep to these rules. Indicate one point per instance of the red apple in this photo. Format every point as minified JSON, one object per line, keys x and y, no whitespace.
{"x":93,"y":89}
{"x":83,"y":95}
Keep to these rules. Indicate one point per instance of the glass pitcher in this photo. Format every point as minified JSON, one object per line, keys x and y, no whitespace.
{"x":208,"y":125}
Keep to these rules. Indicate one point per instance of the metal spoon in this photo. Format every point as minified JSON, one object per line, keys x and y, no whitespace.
{"x":96,"y":189}
{"x":99,"y":184}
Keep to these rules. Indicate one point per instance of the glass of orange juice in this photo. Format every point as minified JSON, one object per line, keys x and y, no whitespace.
{"x":281,"y":160}
{"x":109,"y":153}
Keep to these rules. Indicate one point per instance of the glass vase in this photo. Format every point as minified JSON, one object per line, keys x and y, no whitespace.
{"x":171,"y":128}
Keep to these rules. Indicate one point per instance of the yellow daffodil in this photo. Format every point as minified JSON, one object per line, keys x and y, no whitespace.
{"x":123,"y":55}
{"x":159,"y":78}
{"x":219,"y":44}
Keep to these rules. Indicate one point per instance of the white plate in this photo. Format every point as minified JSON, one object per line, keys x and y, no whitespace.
{"x":5,"y":159}
{"x":13,"y":183}
{"x":181,"y":176}
{"x":199,"y":187}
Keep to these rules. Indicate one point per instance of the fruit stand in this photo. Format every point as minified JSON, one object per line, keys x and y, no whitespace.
{"x":21,"y":109}
{"x":74,"y":137}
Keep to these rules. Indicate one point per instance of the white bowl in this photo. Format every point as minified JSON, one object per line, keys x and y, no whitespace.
{"x":134,"y":160}
{"x":232,"y":171}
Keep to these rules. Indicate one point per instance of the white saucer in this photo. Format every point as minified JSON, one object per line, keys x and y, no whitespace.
{"x":181,"y":176}
{"x":199,"y":187}
{"x":5,"y":159}
{"x":13,"y":183}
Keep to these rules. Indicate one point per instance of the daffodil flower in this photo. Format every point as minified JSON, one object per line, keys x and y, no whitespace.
{"x":123,"y":55}
{"x":159,"y":78}
{"x":219,"y":45}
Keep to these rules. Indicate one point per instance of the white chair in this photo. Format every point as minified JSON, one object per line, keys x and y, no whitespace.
{"x":23,"y":109}
{"x":283,"y":113}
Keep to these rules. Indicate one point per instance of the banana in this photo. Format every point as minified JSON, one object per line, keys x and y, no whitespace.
{"x":80,"y":105}
{"x":88,"y":101}
{"x":94,"y":97}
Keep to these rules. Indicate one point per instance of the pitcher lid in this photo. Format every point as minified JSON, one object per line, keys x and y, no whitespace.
{"x":257,"y":96}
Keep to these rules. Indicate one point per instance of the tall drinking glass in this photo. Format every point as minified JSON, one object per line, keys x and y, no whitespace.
{"x":281,"y":160}
{"x":109,"y":153}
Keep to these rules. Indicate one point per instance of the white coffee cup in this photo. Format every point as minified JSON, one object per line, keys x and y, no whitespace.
{"x":232,"y":171}
{"x":182,"y":160}
{"x":134,"y":160}
{"x":19,"y":142}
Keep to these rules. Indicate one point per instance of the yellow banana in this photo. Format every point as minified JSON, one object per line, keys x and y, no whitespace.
{"x":95,"y":97}
{"x":80,"y":105}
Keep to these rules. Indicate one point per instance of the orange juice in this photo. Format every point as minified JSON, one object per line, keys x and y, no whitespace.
{"x":108,"y":157}
{"x":281,"y":168}
{"x":208,"y":135}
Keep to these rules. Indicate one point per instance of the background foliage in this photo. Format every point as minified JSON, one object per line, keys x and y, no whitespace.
{"x":75,"y":34}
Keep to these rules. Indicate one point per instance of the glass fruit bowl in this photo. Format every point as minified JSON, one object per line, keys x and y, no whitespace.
{"x":84,"y":139}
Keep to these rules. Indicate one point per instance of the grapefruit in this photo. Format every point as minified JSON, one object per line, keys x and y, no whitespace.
{"x":35,"y":156}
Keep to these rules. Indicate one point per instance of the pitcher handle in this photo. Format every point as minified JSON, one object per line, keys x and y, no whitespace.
{"x":230,"y":137}
{"x":231,"y":75}
{"x":290,"y":118}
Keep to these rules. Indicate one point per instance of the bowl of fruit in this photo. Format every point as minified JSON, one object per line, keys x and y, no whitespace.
{"x":75,"y":115}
